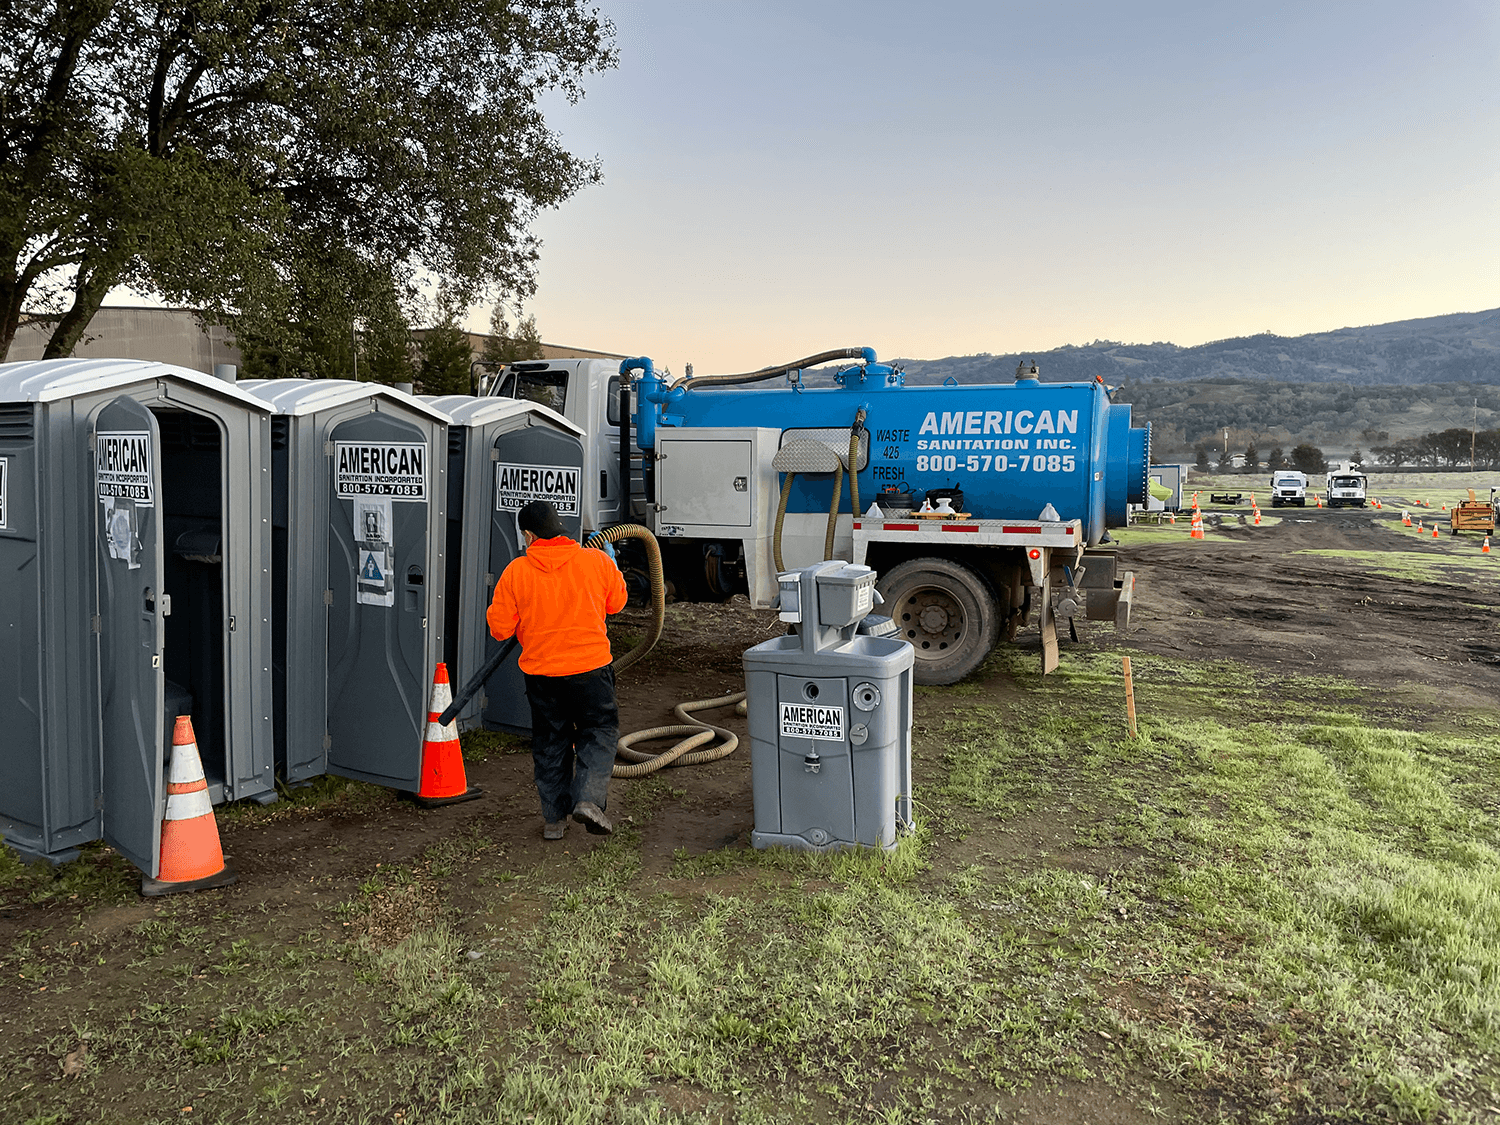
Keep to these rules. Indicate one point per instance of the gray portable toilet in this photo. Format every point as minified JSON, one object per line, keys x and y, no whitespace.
{"x":358,"y":541}
{"x":829,"y":710}
{"x":135,"y":571}
{"x":502,"y":453}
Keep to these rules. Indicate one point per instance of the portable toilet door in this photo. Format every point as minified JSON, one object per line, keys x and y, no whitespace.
{"x":131,"y":611}
{"x":380,"y":529}
{"x":360,"y":500}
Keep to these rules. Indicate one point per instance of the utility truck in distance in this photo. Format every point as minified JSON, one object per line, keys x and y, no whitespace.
{"x":1288,"y":486}
{"x":745,"y":477}
{"x":1345,"y":485}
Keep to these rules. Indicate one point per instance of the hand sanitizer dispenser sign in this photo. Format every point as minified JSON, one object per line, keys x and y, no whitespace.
{"x":830,"y":719}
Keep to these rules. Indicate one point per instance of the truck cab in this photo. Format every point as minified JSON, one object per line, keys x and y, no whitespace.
{"x":1345,"y":487}
{"x":1288,"y":486}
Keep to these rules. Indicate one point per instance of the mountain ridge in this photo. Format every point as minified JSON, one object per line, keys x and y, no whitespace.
{"x":1449,"y":348}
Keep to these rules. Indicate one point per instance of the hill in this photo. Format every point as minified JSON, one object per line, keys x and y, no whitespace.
{"x":1457,"y":348}
{"x":1351,"y":389}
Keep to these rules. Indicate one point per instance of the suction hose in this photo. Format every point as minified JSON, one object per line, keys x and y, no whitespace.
{"x":786,"y":492}
{"x":658,"y":584}
{"x":685,"y":752}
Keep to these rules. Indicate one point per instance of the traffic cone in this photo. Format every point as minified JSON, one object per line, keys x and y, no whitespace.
{"x":1257,"y":517}
{"x":191,"y":858}
{"x":443,"y":780}
{"x":1486,"y":548}
{"x":1434,"y":531}
{"x":1197,"y":530}
{"x":1172,"y":518}
{"x":1320,"y":501}
{"x":1405,"y":518}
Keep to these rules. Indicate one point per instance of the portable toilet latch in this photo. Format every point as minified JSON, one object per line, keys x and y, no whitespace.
{"x":812,"y":763}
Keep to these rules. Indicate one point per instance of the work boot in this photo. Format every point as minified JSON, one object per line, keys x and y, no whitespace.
{"x":554,"y":829}
{"x":592,"y":817}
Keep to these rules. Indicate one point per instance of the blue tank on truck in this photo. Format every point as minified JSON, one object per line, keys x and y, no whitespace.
{"x":1013,"y":449}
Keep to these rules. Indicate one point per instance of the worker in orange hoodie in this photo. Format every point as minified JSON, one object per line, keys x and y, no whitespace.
{"x":554,"y":599}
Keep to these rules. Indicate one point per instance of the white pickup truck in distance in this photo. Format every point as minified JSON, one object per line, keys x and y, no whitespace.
{"x":1289,"y":487}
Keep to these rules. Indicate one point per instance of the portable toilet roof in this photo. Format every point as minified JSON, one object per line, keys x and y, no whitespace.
{"x":469,"y":410}
{"x":308,"y":396}
{"x":50,"y":380}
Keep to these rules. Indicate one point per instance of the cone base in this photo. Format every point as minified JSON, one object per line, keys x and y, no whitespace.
{"x":470,"y":794}
{"x":154,"y":888}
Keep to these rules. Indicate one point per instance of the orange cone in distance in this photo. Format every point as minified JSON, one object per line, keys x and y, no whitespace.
{"x":191,"y":857}
{"x":443,"y":780}
{"x":1434,"y":531}
{"x":1486,"y":548}
{"x":1257,"y":517}
{"x":1197,"y":530}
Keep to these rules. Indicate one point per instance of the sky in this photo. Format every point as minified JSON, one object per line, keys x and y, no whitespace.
{"x":786,"y":176}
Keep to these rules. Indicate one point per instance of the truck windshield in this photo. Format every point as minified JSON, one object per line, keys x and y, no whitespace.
{"x":550,"y":388}
{"x":1347,"y":482}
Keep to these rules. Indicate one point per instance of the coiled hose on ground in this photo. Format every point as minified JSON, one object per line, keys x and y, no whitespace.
{"x":684,"y":752}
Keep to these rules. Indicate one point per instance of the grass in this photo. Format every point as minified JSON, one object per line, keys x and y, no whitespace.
{"x":1266,"y":908}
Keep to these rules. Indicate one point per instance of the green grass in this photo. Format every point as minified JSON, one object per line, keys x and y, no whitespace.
{"x":1266,"y":906}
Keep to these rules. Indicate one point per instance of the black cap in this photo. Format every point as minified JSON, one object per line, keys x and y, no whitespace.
{"x":541,"y":519}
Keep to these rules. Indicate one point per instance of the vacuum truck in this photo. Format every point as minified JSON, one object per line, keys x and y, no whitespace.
{"x":980,"y":506}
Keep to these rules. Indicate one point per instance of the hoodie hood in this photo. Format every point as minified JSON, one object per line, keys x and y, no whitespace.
{"x":548,"y":555}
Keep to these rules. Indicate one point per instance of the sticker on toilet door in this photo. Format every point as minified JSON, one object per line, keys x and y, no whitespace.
{"x":806,"y":720}
{"x":372,"y":528}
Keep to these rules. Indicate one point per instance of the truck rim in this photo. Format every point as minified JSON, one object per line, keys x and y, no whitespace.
{"x":932,"y":619}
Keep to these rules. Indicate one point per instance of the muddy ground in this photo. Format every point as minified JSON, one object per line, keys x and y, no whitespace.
{"x":1246,"y":593}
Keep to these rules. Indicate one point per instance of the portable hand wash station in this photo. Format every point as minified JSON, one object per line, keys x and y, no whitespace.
{"x":830,"y":717}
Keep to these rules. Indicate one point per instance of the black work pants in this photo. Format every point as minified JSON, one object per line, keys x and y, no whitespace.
{"x":574,"y":728}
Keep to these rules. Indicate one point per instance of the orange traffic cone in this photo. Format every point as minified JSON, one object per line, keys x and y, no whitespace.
{"x":1197,"y":530}
{"x":1320,"y":501}
{"x":443,"y":780}
{"x":1434,"y":531}
{"x":1445,"y":507}
{"x":1257,"y":517}
{"x":191,"y":858}
{"x":1486,"y":548}
{"x":1405,"y":518}
{"x":1172,"y":518}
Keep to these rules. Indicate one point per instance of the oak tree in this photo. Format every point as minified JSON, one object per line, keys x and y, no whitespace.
{"x":290,"y":166}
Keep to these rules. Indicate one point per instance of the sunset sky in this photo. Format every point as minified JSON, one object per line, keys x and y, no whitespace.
{"x":954,"y":177}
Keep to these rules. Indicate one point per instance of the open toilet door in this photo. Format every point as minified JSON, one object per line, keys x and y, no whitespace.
{"x":129,"y":609}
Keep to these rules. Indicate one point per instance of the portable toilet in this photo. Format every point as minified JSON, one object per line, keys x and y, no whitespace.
{"x":503,"y":453}
{"x":135,"y":568}
{"x":360,"y":496}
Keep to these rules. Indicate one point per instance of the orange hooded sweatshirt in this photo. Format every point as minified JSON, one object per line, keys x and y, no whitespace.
{"x":554,"y":599}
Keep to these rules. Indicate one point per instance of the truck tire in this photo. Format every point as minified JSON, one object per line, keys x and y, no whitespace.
{"x":946,"y":611}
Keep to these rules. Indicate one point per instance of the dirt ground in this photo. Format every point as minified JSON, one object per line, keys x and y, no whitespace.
{"x":1246,"y":593}
{"x":1252,"y":594}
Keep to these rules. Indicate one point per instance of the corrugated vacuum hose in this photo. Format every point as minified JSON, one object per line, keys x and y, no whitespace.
{"x":699,"y":733}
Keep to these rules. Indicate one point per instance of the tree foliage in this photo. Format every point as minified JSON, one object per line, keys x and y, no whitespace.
{"x":507,"y":344}
{"x":293,"y":167}
{"x":1309,"y":459}
{"x":446,"y":357}
{"x":1200,"y":461}
{"x":1252,"y":458}
{"x":1444,"y":449}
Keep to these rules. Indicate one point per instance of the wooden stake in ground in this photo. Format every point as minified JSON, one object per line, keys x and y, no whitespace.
{"x":1129,"y":699}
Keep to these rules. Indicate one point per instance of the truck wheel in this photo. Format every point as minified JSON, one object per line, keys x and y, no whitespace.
{"x":948,"y":614}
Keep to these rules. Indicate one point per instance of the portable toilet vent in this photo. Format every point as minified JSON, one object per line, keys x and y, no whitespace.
{"x":830,"y":718}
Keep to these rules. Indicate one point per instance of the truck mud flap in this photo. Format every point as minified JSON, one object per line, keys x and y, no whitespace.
{"x":1048,"y":624}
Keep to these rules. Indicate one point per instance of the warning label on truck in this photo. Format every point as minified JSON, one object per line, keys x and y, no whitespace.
{"x":369,"y":468}
{"x":122,"y":465}
{"x":518,"y":485}
{"x":806,"y":720}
